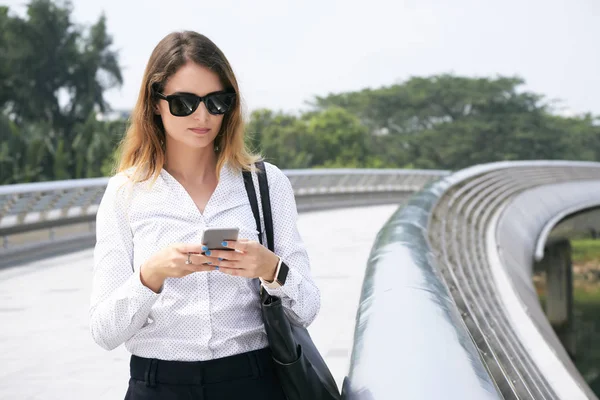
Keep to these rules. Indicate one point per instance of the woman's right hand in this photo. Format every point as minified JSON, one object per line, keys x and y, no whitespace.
{"x":170,"y":262}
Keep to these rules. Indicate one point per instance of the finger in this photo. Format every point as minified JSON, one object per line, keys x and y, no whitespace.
{"x":225,"y":255}
{"x":234,"y":271}
{"x":197,"y":267}
{"x":239,"y":245}
{"x":193,"y":267}
{"x":197,"y":262}
{"x":200,"y":259}
{"x":227,"y":264}
{"x":192,"y":248}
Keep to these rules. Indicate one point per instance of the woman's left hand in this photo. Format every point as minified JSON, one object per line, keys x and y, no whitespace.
{"x":249,"y":259}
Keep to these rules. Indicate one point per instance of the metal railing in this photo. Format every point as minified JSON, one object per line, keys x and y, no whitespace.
{"x":460,"y":255}
{"x":47,"y":215}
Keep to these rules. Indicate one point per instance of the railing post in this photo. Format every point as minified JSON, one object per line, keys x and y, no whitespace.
{"x":559,"y":291}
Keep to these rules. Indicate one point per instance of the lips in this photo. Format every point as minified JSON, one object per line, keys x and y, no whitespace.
{"x":200,"y":131}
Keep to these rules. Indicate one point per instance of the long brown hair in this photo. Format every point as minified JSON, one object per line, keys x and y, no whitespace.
{"x":142,"y":146}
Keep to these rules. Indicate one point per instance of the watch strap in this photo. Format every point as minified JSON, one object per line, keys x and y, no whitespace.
{"x":269,"y":284}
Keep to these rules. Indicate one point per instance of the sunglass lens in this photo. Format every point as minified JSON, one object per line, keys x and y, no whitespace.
{"x":219,"y":103}
{"x":183,"y":105}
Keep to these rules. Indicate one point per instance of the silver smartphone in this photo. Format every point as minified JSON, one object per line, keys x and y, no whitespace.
{"x":212,"y":237}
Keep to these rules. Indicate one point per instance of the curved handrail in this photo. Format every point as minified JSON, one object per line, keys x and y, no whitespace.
{"x":450,"y":235}
{"x":410,"y":341}
{"x":512,"y":259}
{"x":467,"y":265}
{"x":545,"y":233}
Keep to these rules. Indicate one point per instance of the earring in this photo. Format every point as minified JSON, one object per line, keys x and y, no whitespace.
{"x":217,"y":142}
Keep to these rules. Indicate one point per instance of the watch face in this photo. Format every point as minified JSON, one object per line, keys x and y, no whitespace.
{"x":283,"y":273}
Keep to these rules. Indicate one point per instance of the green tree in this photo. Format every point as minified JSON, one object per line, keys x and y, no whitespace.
{"x":94,"y":152}
{"x":281,"y":138}
{"x":23,"y":150}
{"x":53,"y":76}
{"x":337,"y":139}
{"x":329,"y":138}
{"x":453,"y":122}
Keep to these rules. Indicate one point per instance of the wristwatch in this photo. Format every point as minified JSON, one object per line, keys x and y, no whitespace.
{"x":281,"y":273}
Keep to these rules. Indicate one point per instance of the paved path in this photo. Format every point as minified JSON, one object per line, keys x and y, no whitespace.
{"x":47,"y":353}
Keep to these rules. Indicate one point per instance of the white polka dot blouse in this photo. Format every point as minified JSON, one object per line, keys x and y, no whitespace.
{"x":204,"y":315}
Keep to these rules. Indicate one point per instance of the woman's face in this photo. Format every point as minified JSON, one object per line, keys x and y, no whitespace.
{"x":199,"y":129}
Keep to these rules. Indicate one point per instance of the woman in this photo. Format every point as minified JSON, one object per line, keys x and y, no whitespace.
{"x":191,"y":317}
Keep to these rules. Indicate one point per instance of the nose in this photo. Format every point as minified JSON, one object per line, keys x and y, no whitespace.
{"x":201,"y":113}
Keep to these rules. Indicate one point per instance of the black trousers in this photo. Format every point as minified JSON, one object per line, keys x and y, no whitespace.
{"x":243,"y":376}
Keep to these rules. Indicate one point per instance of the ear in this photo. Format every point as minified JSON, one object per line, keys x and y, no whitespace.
{"x":153,"y":98}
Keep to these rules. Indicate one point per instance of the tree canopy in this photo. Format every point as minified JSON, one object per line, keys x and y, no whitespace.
{"x":436,"y":122}
{"x":54,"y":74}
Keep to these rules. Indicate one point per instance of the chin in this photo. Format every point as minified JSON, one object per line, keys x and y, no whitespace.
{"x":200,"y":143}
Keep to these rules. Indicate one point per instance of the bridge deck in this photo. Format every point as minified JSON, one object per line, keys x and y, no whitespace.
{"x":46,"y":350}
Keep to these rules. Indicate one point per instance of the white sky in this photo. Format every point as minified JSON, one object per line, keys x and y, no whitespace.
{"x":285,"y":52}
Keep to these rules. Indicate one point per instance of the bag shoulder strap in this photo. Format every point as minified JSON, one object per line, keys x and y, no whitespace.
{"x":249,"y":184}
{"x":263,"y":187}
{"x":265,"y":197}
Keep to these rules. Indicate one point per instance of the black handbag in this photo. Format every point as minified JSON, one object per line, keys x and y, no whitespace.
{"x":303,"y":373}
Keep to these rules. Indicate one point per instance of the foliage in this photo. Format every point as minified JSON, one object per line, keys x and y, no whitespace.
{"x":53,"y":75}
{"x":438,"y":122}
{"x":584,"y":250}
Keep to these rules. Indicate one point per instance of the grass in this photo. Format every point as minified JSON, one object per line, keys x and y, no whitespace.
{"x":585,"y":250}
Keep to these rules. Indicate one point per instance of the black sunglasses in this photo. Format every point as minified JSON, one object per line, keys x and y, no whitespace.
{"x":184,"y":104}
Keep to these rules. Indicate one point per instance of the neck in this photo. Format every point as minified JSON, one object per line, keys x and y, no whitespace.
{"x":191,"y":165}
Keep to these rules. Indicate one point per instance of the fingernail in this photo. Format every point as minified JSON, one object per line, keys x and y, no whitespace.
{"x":204,"y":248}
{"x":209,"y":263}
{"x":216,"y":267}
{"x":223,"y":243}
{"x":208,"y":252}
{"x":220,"y":259}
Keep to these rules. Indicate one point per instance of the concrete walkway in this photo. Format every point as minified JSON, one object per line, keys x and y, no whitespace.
{"x":46,"y":350}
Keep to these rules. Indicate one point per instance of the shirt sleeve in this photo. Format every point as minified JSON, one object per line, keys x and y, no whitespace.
{"x":120,"y":303}
{"x":300,"y":295}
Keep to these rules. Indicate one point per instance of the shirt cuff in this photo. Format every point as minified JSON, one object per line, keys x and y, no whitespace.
{"x":138,"y":290}
{"x":290,"y":289}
